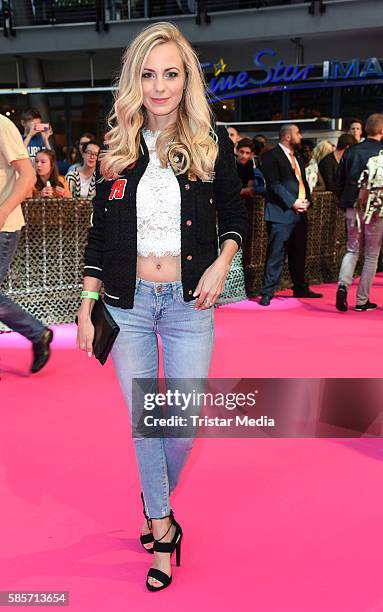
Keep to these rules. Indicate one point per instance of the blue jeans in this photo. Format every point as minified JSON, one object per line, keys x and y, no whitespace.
{"x":10,"y":313}
{"x":187,"y":338}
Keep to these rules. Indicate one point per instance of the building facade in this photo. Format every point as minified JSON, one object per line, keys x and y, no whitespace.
{"x":264,"y":60}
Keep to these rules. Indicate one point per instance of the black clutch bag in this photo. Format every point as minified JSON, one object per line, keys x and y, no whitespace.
{"x":105,"y":331}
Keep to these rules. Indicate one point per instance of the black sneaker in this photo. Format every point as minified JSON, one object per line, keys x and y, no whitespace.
{"x":341,"y":298}
{"x":41,"y":350}
{"x":367,"y":306}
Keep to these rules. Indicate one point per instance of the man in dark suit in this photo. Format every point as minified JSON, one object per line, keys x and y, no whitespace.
{"x":287,"y":200}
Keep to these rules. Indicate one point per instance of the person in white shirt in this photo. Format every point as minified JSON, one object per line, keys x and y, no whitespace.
{"x":356,"y":129}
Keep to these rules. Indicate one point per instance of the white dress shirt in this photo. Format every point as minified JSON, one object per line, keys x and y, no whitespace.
{"x":288,"y":153}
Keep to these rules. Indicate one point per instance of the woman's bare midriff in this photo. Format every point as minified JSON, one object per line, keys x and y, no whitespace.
{"x":159,"y":269}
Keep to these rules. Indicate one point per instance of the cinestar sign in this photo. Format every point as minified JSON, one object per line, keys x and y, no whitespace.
{"x":289,"y":73}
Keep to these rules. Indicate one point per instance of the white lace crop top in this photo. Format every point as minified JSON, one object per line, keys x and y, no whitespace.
{"x":158,"y":207}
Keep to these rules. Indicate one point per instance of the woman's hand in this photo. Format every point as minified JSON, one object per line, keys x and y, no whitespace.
{"x":32,"y":131}
{"x":61,"y":191}
{"x":47,"y":192}
{"x":211,"y":284}
{"x":85,"y":332}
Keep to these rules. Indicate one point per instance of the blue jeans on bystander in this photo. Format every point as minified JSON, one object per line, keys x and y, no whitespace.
{"x":12,"y":314}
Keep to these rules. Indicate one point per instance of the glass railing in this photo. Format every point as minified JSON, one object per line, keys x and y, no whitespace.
{"x":14,"y":13}
{"x":64,"y":11}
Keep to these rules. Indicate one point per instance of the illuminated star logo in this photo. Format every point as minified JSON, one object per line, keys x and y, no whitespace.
{"x":219,"y":67}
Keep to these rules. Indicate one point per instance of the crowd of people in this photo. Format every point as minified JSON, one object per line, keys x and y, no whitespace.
{"x":317,"y":167}
{"x":288,"y":174}
{"x":320,"y":159}
{"x":75,"y":178}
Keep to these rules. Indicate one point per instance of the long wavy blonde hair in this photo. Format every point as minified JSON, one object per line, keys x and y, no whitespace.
{"x":193,"y":145}
{"x":323,"y":148}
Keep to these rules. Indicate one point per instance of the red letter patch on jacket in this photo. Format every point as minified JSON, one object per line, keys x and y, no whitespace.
{"x":118,"y":189}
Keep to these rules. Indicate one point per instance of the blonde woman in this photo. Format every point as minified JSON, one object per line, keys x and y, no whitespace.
{"x":323,"y":148}
{"x":167,"y":174}
{"x":313,"y":156}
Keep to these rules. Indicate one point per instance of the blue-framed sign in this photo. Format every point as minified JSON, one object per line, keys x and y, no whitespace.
{"x":281,"y":73}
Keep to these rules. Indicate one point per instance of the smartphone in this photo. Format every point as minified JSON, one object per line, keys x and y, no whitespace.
{"x":42,"y":127}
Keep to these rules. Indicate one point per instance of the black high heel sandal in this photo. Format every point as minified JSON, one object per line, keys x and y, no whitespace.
{"x":148,"y":538}
{"x":166,"y":547}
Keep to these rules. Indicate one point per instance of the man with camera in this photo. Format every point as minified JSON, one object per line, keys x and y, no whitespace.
{"x":36,"y":133}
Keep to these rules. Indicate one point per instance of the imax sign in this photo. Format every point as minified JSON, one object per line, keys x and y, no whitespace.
{"x":354,"y":69}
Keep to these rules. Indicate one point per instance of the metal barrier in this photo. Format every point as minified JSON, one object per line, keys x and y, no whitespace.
{"x":46,"y":274}
{"x":325,"y":244}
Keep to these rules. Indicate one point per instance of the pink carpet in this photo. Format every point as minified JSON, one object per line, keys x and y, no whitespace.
{"x":270,"y":525}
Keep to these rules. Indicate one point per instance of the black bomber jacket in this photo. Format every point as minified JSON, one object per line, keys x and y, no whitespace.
{"x":111,"y":251}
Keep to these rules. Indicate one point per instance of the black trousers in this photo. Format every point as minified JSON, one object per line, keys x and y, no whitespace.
{"x":290,"y":238}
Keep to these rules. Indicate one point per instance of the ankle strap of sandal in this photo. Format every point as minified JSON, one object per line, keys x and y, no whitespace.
{"x":166,"y":532}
